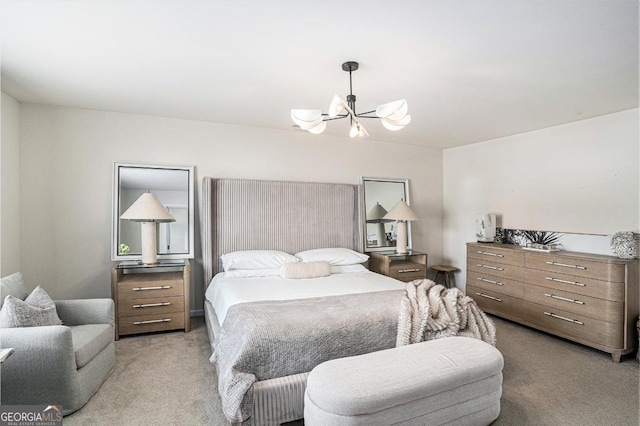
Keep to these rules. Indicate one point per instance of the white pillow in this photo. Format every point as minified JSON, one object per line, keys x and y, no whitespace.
{"x":250,"y":273}
{"x":305,"y":270}
{"x":36,"y":310}
{"x":345,"y":269}
{"x":256,"y":259}
{"x":334,"y":256}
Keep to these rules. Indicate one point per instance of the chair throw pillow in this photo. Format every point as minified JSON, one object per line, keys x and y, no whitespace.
{"x":36,"y":310}
{"x":13,"y":285}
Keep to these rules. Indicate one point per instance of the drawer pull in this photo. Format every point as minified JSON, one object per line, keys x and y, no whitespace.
{"x":489,"y":297}
{"x":495,"y":268}
{"x":160,"y":287}
{"x":490,"y":281}
{"x":402,"y":271}
{"x":566,"y":299}
{"x":486,"y":253}
{"x":564,"y":318}
{"x":151,"y":305}
{"x":557,"y":280}
{"x":152,"y":321}
{"x":566,"y":265}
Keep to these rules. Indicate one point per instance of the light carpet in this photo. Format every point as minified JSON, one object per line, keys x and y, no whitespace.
{"x":166,"y":379}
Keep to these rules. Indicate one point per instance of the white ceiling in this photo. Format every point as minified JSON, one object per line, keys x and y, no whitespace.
{"x":470,"y":70}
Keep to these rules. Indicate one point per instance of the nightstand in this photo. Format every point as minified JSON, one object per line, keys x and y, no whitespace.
{"x":404,"y":267}
{"x":151,"y":297}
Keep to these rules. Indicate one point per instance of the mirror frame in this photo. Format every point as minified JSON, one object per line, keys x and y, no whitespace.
{"x":115,"y":220}
{"x":367,"y":248}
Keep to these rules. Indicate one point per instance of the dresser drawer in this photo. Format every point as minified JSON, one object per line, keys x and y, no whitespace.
{"x":576,"y":266}
{"x":152,"y":322}
{"x":573,"y":326}
{"x":580,"y":285}
{"x":495,"y":303}
{"x":494,"y":254}
{"x":152,"y":305}
{"x":135,"y":286}
{"x":499,"y":285}
{"x":407,"y":271}
{"x":591,"y":307}
{"x":494,"y":269}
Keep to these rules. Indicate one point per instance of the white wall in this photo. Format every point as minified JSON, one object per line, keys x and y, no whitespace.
{"x":9,"y":188}
{"x":67,"y":161}
{"x":581,"y":177}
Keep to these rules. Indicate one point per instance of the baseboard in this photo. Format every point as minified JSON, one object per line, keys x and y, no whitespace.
{"x":197,"y":312}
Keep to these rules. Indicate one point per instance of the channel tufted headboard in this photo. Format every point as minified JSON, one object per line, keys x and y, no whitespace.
{"x":239,"y":214}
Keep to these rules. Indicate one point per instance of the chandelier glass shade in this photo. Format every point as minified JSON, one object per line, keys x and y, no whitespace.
{"x":393,"y":115}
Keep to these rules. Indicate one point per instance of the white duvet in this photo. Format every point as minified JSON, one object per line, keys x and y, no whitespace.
{"x":224,"y":292}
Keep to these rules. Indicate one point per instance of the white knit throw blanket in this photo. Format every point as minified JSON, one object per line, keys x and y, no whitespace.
{"x":431,"y":311}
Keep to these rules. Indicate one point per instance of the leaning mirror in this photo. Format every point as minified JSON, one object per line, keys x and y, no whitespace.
{"x":173,"y":187}
{"x":380,"y":195}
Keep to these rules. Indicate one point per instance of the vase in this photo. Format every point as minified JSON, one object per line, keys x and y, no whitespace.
{"x":623,"y":245}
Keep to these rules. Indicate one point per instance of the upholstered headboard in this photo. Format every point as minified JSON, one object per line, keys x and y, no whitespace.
{"x":240,"y":214}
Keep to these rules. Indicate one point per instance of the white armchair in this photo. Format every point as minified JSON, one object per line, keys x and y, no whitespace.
{"x":60,"y":365}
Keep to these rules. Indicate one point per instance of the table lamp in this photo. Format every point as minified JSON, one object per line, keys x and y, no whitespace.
{"x":376,"y":215}
{"x":401,"y":213}
{"x":148,"y":210}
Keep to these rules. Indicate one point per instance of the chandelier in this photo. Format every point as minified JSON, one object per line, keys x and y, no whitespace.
{"x":393,"y":115}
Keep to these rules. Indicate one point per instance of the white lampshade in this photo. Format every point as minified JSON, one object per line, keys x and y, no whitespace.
{"x":394,"y":125}
{"x":337,"y":106}
{"x":401,"y":211}
{"x":306,"y":118}
{"x":376,"y":214}
{"x":358,"y":129}
{"x":319,"y":128}
{"x":148,"y":210}
{"x":395,"y":110}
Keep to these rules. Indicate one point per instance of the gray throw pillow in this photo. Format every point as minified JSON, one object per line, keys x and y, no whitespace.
{"x":36,"y":310}
{"x":13,"y":285}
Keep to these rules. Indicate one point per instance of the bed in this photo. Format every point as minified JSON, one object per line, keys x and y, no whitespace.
{"x":348,"y":312}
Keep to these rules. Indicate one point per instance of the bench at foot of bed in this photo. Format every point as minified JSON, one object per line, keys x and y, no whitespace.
{"x":454,"y":380}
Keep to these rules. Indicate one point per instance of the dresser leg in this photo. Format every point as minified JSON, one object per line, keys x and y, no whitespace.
{"x":615,"y":356}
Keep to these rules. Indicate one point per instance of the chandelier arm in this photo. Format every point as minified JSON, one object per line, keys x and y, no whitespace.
{"x":337,"y":117}
{"x":363,"y":114}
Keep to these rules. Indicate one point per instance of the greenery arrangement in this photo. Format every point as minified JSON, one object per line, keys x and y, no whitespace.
{"x":522,"y":237}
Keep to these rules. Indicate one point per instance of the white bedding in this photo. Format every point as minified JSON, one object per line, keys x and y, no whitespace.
{"x":224,"y":292}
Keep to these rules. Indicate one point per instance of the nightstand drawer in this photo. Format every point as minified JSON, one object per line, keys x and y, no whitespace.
{"x":401,"y":266}
{"x":407,"y":271}
{"x":135,"y":286}
{"x":153,"y":305}
{"x":149,"y":323}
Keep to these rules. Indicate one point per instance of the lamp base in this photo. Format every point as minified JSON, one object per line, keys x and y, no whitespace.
{"x":149,"y":248}
{"x":401,"y":241}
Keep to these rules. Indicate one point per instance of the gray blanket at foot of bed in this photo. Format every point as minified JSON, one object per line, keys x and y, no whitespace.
{"x":265,"y":340}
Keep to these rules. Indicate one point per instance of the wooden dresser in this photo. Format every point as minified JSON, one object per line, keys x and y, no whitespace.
{"x":588,"y":298}
{"x":404,"y":267}
{"x":151,"y":297}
